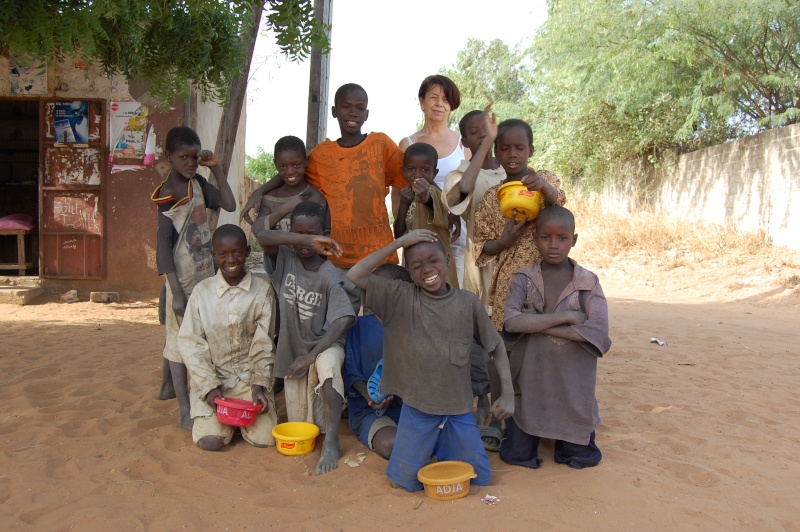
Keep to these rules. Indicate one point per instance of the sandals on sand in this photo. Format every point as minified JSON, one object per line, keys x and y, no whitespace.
{"x":491,"y":433}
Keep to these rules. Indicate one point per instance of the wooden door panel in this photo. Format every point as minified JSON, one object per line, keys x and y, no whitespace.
{"x":71,"y":192}
{"x":72,"y":166}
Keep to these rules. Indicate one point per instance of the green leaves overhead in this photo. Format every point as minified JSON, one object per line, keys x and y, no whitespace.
{"x":166,"y":43}
{"x":609,"y":86}
{"x":492,"y":72}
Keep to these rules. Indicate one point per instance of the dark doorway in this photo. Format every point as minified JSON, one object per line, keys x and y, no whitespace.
{"x":19,"y":185}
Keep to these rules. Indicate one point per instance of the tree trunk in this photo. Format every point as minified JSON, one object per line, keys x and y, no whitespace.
{"x":232,"y":110}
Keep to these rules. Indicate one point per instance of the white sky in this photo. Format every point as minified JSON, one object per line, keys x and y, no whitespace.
{"x":386,"y":47}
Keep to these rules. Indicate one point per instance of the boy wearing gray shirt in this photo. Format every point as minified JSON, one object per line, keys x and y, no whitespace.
{"x":315,"y":314}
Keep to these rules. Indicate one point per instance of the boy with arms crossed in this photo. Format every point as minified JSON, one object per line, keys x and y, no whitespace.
{"x":465,"y":187}
{"x":429,"y":328}
{"x":226,"y":343}
{"x":556,"y":317}
{"x":509,"y":243}
{"x":315,"y":316}
{"x":183,"y":230}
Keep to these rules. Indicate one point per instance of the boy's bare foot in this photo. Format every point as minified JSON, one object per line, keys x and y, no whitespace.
{"x":394,"y":484}
{"x":330,"y":456}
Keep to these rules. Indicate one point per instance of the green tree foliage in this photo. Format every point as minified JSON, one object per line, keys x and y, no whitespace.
{"x":260,"y":168}
{"x":492,"y":72}
{"x":164,"y":42}
{"x":617,"y":82}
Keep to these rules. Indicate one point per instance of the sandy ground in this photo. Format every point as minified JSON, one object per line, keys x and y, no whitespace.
{"x":703,"y":433}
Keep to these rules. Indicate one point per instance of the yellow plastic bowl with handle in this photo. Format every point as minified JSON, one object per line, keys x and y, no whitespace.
{"x":517,"y":201}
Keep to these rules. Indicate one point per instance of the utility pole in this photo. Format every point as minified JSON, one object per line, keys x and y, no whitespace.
{"x":316,"y":129}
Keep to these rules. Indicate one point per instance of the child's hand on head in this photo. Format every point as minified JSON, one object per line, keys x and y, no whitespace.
{"x":420,"y":188}
{"x":325,"y":245}
{"x":406,"y":195}
{"x":213,"y":394}
{"x":206,"y":158}
{"x":416,"y":236}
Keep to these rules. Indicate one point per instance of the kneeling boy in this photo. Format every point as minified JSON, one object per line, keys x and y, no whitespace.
{"x":429,"y":329}
{"x":558,"y":314}
{"x":315,"y":316}
{"x":226,"y":342}
{"x":375,"y":424}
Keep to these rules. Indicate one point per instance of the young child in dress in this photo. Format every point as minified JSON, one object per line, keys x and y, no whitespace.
{"x":556,"y":317}
{"x":276,"y":205}
{"x":183,"y":238}
{"x":375,"y":424}
{"x":465,"y":187}
{"x":315,"y":316}
{"x":226,"y":343}
{"x":506,"y":242}
{"x":352,"y":173}
{"x":429,"y":329}
{"x":421,"y":204}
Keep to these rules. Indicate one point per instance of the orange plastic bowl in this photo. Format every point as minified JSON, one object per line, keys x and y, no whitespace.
{"x":517,"y":201}
{"x":236,"y":412}
{"x":446,"y":481}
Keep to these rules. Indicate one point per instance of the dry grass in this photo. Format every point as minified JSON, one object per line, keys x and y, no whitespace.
{"x":644,"y":236}
{"x":643,"y":246}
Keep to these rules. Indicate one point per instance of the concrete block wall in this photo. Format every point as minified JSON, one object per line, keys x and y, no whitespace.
{"x":750,"y":184}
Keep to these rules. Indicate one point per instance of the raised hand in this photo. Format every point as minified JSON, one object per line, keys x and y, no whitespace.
{"x":207,"y":158}
{"x":491,"y":122}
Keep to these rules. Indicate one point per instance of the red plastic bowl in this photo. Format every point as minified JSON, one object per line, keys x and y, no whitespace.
{"x":236,"y":412}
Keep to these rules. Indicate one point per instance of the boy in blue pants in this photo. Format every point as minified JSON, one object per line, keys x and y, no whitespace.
{"x":375,"y":424}
{"x":429,"y":328}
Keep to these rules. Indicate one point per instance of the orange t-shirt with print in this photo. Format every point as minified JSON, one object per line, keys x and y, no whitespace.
{"x":353,"y":181}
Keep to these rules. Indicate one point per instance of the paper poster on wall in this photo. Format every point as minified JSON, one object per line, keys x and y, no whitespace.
{"x":27,"y":78}
{"x":128,"y":126}
{"x":71,"y":122}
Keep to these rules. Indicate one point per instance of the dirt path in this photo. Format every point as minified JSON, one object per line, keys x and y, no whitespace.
{"x":701,"y":433}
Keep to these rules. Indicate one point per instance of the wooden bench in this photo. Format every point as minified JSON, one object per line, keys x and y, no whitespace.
{"x":21,"y":264}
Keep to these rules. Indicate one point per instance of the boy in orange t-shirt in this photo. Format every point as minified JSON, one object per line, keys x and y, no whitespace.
{"x":352,"y":173}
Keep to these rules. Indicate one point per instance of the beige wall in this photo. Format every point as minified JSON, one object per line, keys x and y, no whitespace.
{"x":206,"y":117}
{"x":750,"y":184}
